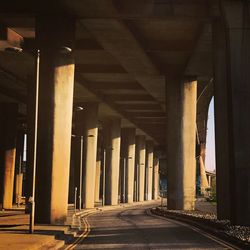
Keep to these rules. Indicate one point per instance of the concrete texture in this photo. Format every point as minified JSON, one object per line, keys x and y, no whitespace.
{"x":222,"y":139}
{"x":97,"y":180}
{"x":156,"y":179}
{"x":140,"y":159}
{"x":55,"y":118}
{"x":123,"y":52}
{"x":203,"y":177}
{"x":19,"y":187}
{"x":112,"y":138}
{"x":234,"y":76}
{"x":149,"y":169}
{"x":14,"y":233}
{"x":87,"y":126}
{"x":128,"y":146}
{"x":8,"y":133}
{"x":180,"y":157}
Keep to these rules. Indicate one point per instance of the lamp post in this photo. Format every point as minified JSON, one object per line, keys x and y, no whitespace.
{"x":32,"y":198}
{"x":124,"y":180}
{"x":80,"y":170}
{"x":137,"y":182}
{"x":80,"y":177}
{"x":103,"y":177}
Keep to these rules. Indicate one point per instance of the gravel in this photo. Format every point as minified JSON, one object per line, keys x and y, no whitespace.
{"x":241,"y":233}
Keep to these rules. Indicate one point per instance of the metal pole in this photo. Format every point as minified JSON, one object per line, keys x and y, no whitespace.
{"x":124,"y":181}
{"x":137,"y":177}
{"x":18,"y":181}
{"x":75,"y":199}
{"x":146,"y":183}
{"x":32,"y":199}
{"x":103,"y":177}
{"x":134,"y":198}
{"x":80,"y":180}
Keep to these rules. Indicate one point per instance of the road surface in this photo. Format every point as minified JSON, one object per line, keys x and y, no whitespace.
{"x":136,"y":228}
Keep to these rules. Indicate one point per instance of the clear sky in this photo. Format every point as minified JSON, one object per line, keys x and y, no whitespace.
{"x":210,"y":151}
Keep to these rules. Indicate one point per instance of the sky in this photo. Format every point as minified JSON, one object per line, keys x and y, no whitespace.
{"x":210,"y":151}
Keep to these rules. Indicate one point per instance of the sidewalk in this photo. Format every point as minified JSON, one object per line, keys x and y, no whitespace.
{"x":14,"y":233}
{"x":14,"y":228}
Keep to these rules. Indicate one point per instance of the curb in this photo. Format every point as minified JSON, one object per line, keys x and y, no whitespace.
{"x":82,"y":216}
{"x":209,"y":227}
{"x":83,"y":219}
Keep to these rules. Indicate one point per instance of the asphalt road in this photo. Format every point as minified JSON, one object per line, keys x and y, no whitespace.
{"x":135,"y":228}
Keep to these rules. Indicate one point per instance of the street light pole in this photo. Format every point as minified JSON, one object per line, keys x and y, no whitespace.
{"x":80,"y":180}
{"x":124,"y":181}
{"x":32,"y":198}
{"x":137,"y":179}
{"x":103,"y":177}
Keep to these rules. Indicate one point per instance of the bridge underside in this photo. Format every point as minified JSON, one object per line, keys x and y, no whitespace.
{"x":134,"y":89}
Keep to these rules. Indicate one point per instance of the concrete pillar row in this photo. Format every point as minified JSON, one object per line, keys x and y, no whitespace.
{"x":231,"y":40}
{"x":156,"y":179}
{"x":112,"y":142}
{"x":128,"y":147}
{"x":8,"y":133}
{"x":140,"y":157}
{"x":53,"y":35}
{"x":87,"y":128}
{"x":181,"y":141}
{"x":149,"y":169}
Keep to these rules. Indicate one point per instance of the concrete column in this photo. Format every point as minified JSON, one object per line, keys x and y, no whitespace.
{"x":128,"y":145}
{"x":140,"y":150}
{"x":209,"y":181}
{"x":112,"y":138}
{"x":203,"y":178}
{"x":18,"y":165}
{"x":122,"y":176}
{"x":98,"y":176}
{"x":156,"y":179}
{"x":87,"y":126}
{"x":19,"y":187}
{"x":55,"y":117}
{"x":232,"y":103}
{"x":180,"y":157}
{"x":136,"y":174}
{"x":149,"y":168}
{"x":222,"y":139}
{"x":8,"y":133}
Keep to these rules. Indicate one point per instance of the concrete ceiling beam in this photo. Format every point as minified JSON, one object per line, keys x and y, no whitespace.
{"x":146,"y":114}
{"x":116,"y":97}
{"x":145,"y":106}
{"x":115,"y":85}
{"x":99,"y":68}
{"x":117,"y":39}
{"x":9,"y":38}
